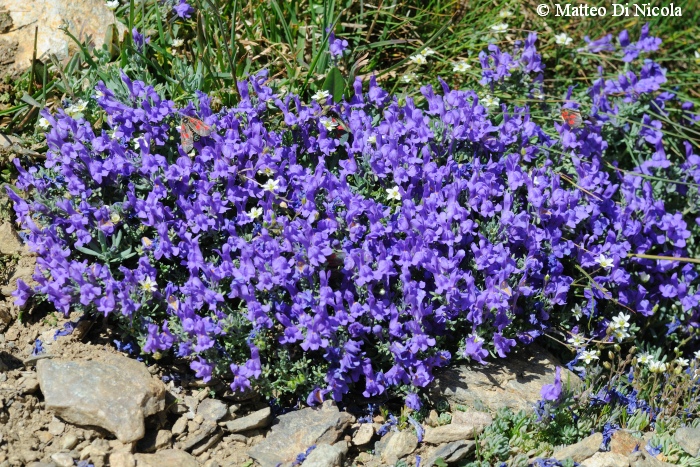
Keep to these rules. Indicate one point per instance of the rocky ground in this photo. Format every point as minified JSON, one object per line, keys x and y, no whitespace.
{"x":68,"y":397}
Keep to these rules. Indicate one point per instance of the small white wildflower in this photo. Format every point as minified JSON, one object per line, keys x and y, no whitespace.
{"x":697,"y":56}
{"x":266,"y":171}
{"x":321,"y":95}
{"x":271,"y":185}
{"x":178,"y":42}
{"x":112,"y":4}
{"x":148,"y":285}
{"x":657,"y":367}
{"x":371,"y":139}
{"x":588,"y":356}
{"x":562,"y":39}
{"x":682,"y":362}
{"x":577,"y":312}
{"x":604,"y":261}
{"x":621,"y":334}
{"x":697,"y":355}
{"x":489,"y":101}
{"x":460,"y":67}
{"x":505,"y":14}
{"x":427,"y":51}
{"x":115,"y":217}
{"x":538,"y":95}
{"x":645,"y":359}
{"x":393,"y":193}
{"x":621,"y":321}
{"x":328,"y":123}
{"x":408,"y":77}
{"x":418,"y":59}
{"x":76,"y":109}
{"x":499,"y":28}
{"x":576,"y":340}
{"x":43,"y":123}
{"x":255,"y":212}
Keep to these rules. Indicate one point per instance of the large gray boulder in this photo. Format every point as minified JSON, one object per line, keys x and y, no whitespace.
{"x":112,"y":392}
{"x":513,"y":382}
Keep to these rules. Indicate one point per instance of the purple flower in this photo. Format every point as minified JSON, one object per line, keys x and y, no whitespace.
{"x":552,"y":392}
{"x":139,"y":40}
{"x":413,"y":402}
{"x":183,"y":9}
{"x":336,"y":46}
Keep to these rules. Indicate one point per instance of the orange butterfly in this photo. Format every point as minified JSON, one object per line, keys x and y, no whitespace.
{"x":191,"y":129}
{"x":572,"y":117}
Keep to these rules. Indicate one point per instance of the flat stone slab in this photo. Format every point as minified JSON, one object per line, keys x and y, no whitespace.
{"x":112,"y":392}
{"x":296,"y":431}
{"x":513,"y":382}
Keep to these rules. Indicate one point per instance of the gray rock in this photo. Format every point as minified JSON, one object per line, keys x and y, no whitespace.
{"x":513,"y":382}
{"x":10,"y":242}
{"x":325,"y":455}
{"x":472,"y":418}
{"x":208,"y":444}
{"x":204,"y":432}
{"x":62,"y":459}
{"x":449,"y":433}
{"x":581,"y":450}
{"x":180,"y":426}
{"x":169,"y":457}
{"x":56,"y":427}
{"x":606,"y":459}
{"x":212,"y":410}
{"x":689,"y":439}
{"x":395,"y":445}
{"x":69,"y":441}
{"x":259,"y":419}
{"x":115,"y":393}
{"x":363,"y":435}
{"x":122,"y":459}
{"x":83,"y":18}
{"x":155,"y":441}
{"x":643,"y":459}
{"x":296,"y":431}
{"x":450,"y":452}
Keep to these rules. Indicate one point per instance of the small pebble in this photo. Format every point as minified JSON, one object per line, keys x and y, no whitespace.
{"x":69,"y":441}
{"x":56,"y":427}
{"x":62,"y":459}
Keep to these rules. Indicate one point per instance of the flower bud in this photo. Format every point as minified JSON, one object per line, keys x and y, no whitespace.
{"x":611,"y":356}
{"x":617,"y":348}
{"x":607,"y":365}
{"x":633,"y":350}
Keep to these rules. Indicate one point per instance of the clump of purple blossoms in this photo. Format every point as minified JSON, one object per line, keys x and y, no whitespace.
{"x":283,"y":240}
{"x":337,"y":46}
{"x":183,"y":9}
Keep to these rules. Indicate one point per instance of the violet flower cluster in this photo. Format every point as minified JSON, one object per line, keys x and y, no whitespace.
{"x":369,"y":249}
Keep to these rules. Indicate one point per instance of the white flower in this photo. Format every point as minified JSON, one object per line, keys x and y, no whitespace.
{"x":697,"y":56}
{"x":576,"y":340}
{"x":112,"y":4}
{"x":588,"y":356}
{"x":418,"y":59}
{"x":489,"y":101}
{"x":177,"y":42}
{"x":682,"y":362}
{"x":505,"y":14}
{"x":460,"y":67}
{"x":321,"y":95}
{"x":76,"y":109}
{"x":621,"y":321}
{"x":604,"y":261}
{"x":499,"y":28}
{"x":657,"y":367}
{"x":538,"y":95}
{"x":645,"y":359}
{"x":115,"y":217}
{"x":393,"y":193}
{"x":697,"y":355}
{"x":621,"y":334}
{"x":255,"y":212}
{"x":562,"y":39}
{"x":371,"y":139}
{"x":328,"y":123}
{"x":427,"y":51}
{"x":408,"y":77}
{"x":577,"y":311}
{"x":271,"y":185}
{"x":148,"y":285}
{"x":43,"y":123}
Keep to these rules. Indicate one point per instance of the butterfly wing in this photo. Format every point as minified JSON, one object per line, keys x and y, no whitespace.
{"x":572,"y":117}
{"x":198,"y":126}
{"x":186,"y":138}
